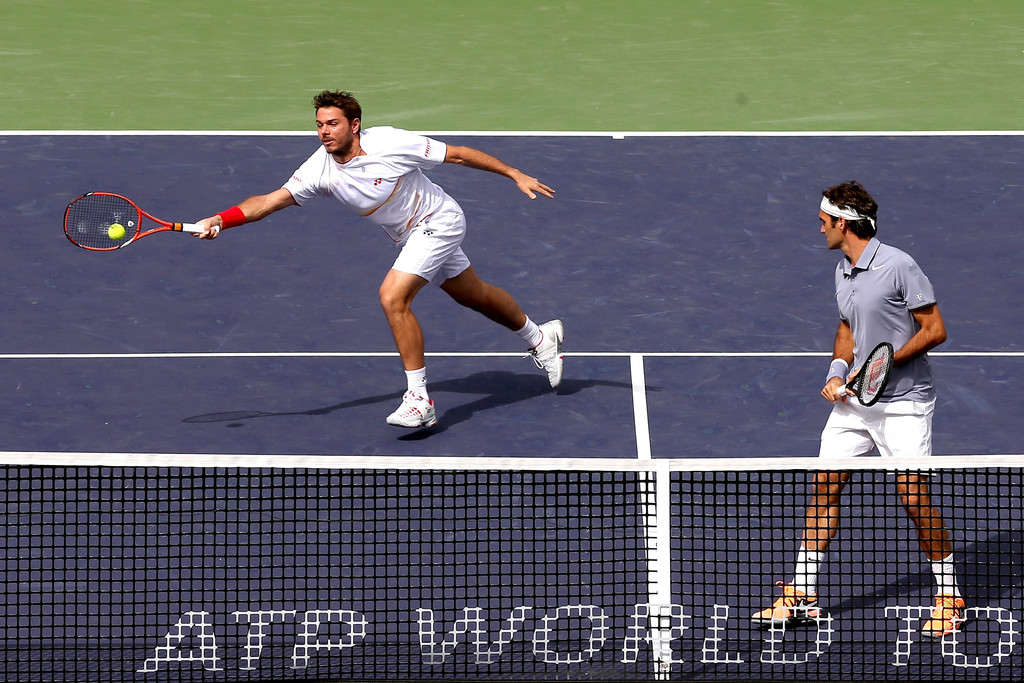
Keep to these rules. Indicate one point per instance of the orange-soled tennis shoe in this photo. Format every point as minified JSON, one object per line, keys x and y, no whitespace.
{"x":793,"y":607}
{"x":946,"y":617}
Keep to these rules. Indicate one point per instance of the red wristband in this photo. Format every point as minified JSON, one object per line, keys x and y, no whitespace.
{"x":233,"y":217}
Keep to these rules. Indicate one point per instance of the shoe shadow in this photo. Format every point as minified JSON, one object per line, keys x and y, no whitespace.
{"x":496,"y":388}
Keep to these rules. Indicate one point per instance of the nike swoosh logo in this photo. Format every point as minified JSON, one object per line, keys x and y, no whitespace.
{"x":878,"y":267}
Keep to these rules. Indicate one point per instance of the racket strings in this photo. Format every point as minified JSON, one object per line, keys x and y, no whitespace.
{"x":872,"y":381}
{"x":88,"y":220}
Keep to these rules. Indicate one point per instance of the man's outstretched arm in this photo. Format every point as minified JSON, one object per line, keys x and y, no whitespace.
{"x":252,"y":209}
{"x":474,"y":158}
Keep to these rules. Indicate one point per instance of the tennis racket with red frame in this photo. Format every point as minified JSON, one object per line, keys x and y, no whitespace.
{"x":873,"y":377}
{"x":88,"y":219}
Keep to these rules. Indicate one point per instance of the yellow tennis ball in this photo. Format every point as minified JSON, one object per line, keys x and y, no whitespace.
{"x":116,"y":232}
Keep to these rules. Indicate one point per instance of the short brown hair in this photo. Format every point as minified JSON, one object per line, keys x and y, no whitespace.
{"x":852,"y":195}
{"x":341,"y":99}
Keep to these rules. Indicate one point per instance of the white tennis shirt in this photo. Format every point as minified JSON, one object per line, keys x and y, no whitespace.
{"x":385,"y":185}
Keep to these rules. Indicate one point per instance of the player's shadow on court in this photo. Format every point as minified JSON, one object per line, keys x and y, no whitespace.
{"x":984,"y":575}
{"x":499,"y":389}
{"x":496,"y":388}
{"x":990,"y":570}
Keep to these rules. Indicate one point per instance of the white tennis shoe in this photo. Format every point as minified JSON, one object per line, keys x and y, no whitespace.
{"x":548,"y":354}
{"x":414,"y":412}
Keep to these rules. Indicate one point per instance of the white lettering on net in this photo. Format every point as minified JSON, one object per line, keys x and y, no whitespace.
{"x":776,"y":634}
{"x":472,"y":621}
{"x":307,"y":639}
{"x":1008,"y":632}
{"x":185,"y":627}
{"x":596,"y":639}
{"x":710,"y":651}
{"x":260,"y":622}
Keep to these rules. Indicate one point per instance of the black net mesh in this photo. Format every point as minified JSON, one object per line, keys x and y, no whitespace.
{"x":262,"y":574}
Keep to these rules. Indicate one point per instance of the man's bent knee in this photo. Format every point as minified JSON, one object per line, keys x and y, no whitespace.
{"x":398,"y":290}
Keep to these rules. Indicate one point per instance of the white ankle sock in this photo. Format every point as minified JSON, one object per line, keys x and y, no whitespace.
{"x":530,"y":333}
{"x":805,"y":575}
{"x":944,"y":576}
{"x":417,"y":380}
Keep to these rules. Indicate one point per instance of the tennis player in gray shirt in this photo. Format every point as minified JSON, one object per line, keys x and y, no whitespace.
{"x":882,"y":295}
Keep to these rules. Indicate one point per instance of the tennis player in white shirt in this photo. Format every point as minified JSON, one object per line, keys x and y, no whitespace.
{"x":378,"y":173}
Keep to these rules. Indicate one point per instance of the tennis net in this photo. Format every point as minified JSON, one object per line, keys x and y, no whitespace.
{"x":229,"y":568}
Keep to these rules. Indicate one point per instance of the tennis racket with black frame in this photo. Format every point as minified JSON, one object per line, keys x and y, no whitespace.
{"x":873,"y":377}
{"x":89,"y":217}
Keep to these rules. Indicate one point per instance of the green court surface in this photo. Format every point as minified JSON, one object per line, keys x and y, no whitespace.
{"x":529,"y":65}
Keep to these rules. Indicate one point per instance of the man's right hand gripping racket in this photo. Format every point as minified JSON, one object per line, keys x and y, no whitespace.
{"x":104,"y":221}
{"x":870,"y":382}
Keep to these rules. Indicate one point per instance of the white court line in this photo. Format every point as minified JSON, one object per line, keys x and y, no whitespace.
{"x":489,"y":354}
{"x":657,"y":498}
{"x":615,"y":135}
{"x":609,"y":464}
{"x":641,"y":422}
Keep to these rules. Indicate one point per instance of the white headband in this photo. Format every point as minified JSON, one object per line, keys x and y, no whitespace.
{"x":849,"y":214}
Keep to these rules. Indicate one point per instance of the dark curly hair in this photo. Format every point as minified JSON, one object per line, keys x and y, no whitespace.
{"x":852,"y":195}
{"x":341,"y":99}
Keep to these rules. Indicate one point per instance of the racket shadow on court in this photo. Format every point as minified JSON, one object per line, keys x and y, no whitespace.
{"x":497,"y":389}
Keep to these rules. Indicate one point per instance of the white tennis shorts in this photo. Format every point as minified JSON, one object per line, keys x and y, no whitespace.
{"x":897,"y":429}
{"x":433,"y":248}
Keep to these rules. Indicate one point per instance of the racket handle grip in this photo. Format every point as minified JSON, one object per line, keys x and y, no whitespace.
{"x":188,"y":227}
{"x":845,"y":389}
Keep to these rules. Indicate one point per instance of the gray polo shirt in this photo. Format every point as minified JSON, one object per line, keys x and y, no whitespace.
{"x":876,"y":297}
